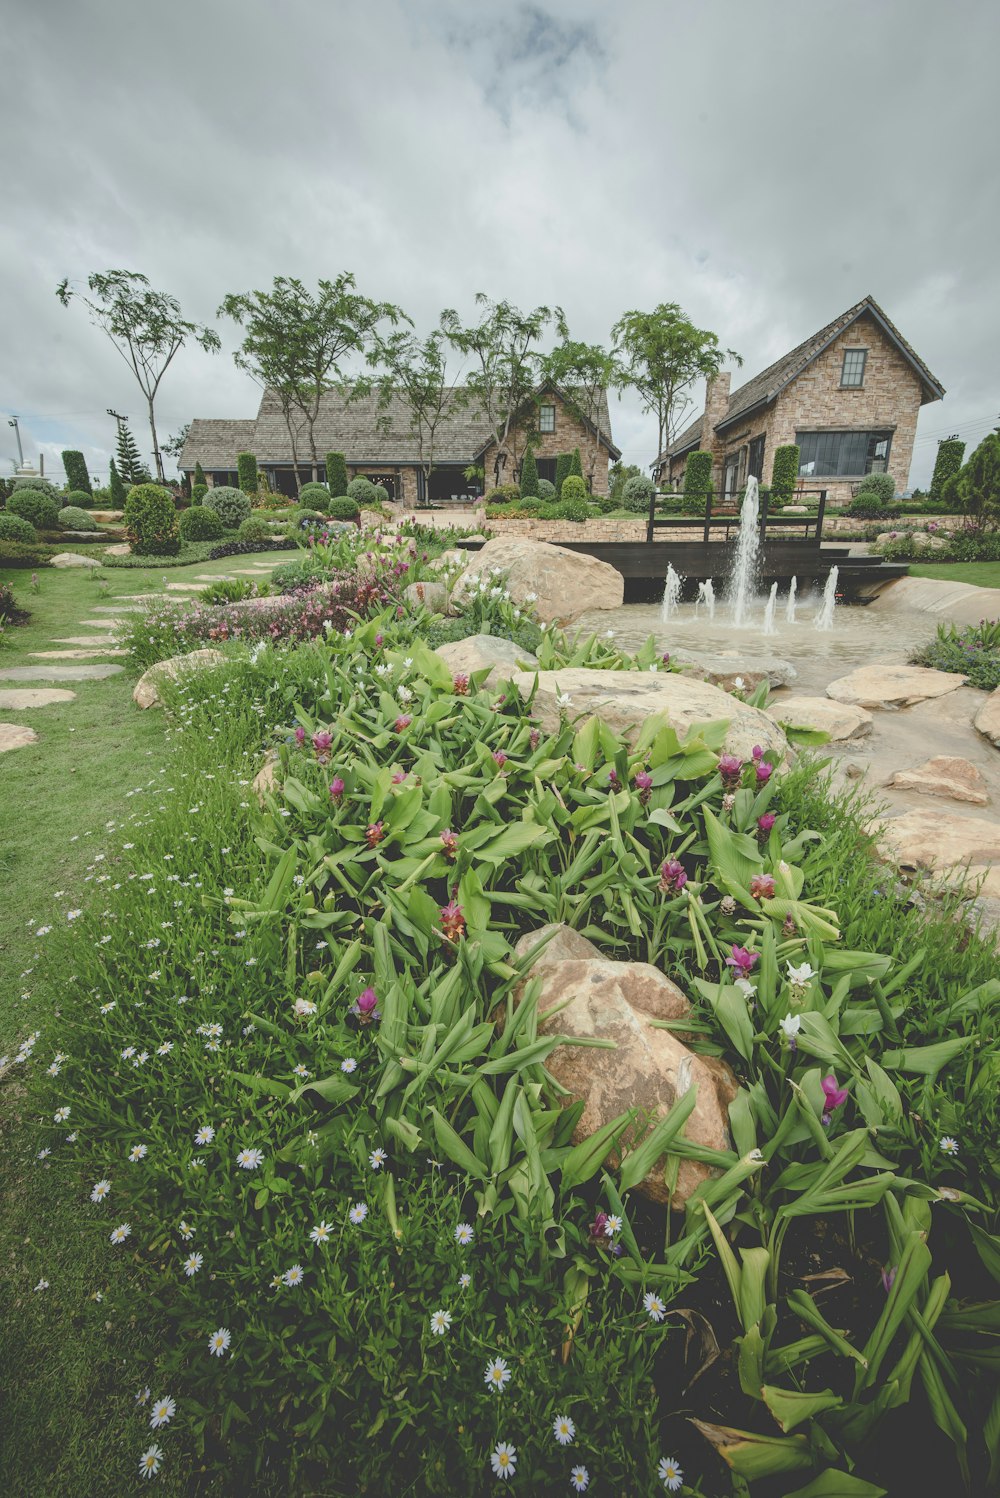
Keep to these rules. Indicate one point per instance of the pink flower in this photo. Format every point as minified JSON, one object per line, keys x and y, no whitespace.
{"x":452,"y":920}
{"x":762,"y":887}
{"x":402,"y":722}
{"x":764,"y":824}
{"x":365,"y":1007}
{"x":764,"y":771}
{"x":336,"y":788}
{"x":322,"y":742}
{"x":378,"y":639}
{"x":741,"y":961}
{"x":400,"y":776}
{"x":374,"y":834}
{"x":756,"y":752}
{"x":500,"y":757}
{"x":643,"y":780}
{"x":612,"y":780}
{"x":672,"y":876}
{"x":300,"y":735}
{"x":460,"y":685}
{"x":449,"y":844}
{"x":834,"y":1096}
{"x":534,"y":739}
{"x":730,"y":767}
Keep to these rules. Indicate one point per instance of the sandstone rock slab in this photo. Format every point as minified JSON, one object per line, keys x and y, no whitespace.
{"x":944,"y":775}
{"x":433,"y":596}
{"x":81,"y":639}
{"x":480,"y":652}
{"x":16,"y":736}
{"x":67,"y":672}
{"x":145,"y":693}
{"x":963,"y":849}
{"x":560,"y":584}
{"x":120,"y":549}
{"x":451,"y":560}
{"x":75,"y":655}
{"x":887,"y":685}
{"x":734,"y":673}
{"x":564,"y":943}
{"x":987,"y":720}
{"x":74,"y":559}
{"x":18,"y":698}
{"x":838,"y":720}
{"x":624,"y":699}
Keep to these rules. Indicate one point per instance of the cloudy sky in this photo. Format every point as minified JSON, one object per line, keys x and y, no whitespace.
{"x":765,"y":165}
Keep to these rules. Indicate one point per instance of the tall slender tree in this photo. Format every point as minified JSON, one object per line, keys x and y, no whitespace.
{"x":130,"y":465}
{"x":145,"y":326}
{"x":412,"y":385}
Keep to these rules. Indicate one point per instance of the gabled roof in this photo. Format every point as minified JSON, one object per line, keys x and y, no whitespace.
{"x":764,"y":387}
{"x":602,"y":430}
{"x":214,"y":444}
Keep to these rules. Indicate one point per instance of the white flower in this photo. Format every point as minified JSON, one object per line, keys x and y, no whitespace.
{"x":464,"y":1281}
{"x":949,"y":1145}
{"x":107,"y":1008}
{"x":440,"y":1322}
{"x":205,"y":1134}
{"x":161,"y":1412}
{"x":321,"y":1232}
{"x":746,"y":988}
{"x":61,"y":1115}
{"x":185,"y":1229}
{"x":149,"y":1462}
{"x":358,"y":1213}
{"x":791,"y":1025}
{"x":301,"y":1071}
{"x":304,"y":1007}
{"x":249,"y":1159}
{"x":294,"y":1276}
{"x":44,"y":1154}
{"x":464,"y":1234}
{"x":497,"y":1375}
{"x":192,"y":1264}
{"x":739,"y":684}
{"x":653,"y":1306}
{"x":138,"y":1152}
{"x":219,"y":1341}
{"x":165,"y":1048}
{"x":579,"y":1479}
{"x":100,"y":1191}
{"x":798,"y":977}
{"x":377,"y":1159}
{"x":564,"y":700}
{"x":348,"y":1064}
{"x":128,"y":1052}
{"x":563,"y":1429}
{"x":670,"y":1474}
{"x":42,"y":1285}
{"x":613,"y":1225}
{"x":142,"y":1395}
{"x":120,"y":1233}
{"x":503,"y":1459}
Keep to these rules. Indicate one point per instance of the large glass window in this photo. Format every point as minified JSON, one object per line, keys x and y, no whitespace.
{"x":842,"y":454}
{"x":852,"y":375}
{"x":546,"y":469}
{"x":546,"y":418}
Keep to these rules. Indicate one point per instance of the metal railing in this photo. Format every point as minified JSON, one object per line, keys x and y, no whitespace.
{"x":729,"y":519}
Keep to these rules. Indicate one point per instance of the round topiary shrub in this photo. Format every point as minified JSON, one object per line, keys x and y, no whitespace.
{"x":363,"y":492}
{"x":35,"y":506}
{"x":343,"y":508}
{"x":42,"y":486}
{"x":381,"y":494}
{"x":546,"y":490}
{"x":199,"y":524}
{"x":231,"y":505}
{"x":314,"y":493}
{"x":637,"y":492}
{"x":254,"y":529}
{"x":16,"y":528}
{"x":868,"y":506}
{"x":80,"y":499}
{"x":198,"y":492}
{"x":151,"y":521}
{"x":72,"y":518}
{"x":882,"y":485}
{"x":574,"y":488}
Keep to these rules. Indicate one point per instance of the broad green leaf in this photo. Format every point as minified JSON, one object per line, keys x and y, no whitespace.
{"x":333,"y":1089}
{"x":833,"y":1484}
{"x":456,"y":1149}
{"x":753,"y":1456}
{"x":640,"y":1161}
{"x":514,"y":840}
{"x":586,"y":1158}
{"x":790,"y":1408}
{"x":926,"y":1060}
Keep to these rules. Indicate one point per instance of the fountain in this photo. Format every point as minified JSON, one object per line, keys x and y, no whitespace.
{"x":706,"y":595}
{"x":824,"y":616}
{"x":772,"y":604}
{"x":790,"y":605}
{"x":743,"y":578}
{"x":671,"y":594}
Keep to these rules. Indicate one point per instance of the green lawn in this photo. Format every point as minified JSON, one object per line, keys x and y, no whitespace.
{"x":980,"y":574}
{"x":66,"y":1428}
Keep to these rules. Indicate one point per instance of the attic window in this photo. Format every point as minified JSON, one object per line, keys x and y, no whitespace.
{"x":852,"y":376}
{"x":546,"y":418}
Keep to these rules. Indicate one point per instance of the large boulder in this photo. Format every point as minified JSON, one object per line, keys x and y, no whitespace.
{"x":887,"y":684}
{"x":560,"y":584}
{"x":987,"y":720}
{"x":962,"y":849}
{"x":478,"y":652}
{"x":624,"y":699}
{"x":944,"y":775}
{"x":648,"y":1068}
{"x":734,"y":673}
{"x":838,"y":720}
{"x":74,"y":559}
{"x":433,"y":596}
{"x":145,"y":692}
{"x":451,"y":560}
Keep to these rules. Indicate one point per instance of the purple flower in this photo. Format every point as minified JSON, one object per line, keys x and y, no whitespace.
{"x":499,"y":757}
{"x":452,"y":920}
{"x":741,"y":961}
{"x":764,"y":771}
{"x":834,"y":1096}
{"x":756,"y":752}
{"x":336,"y":788}
{"x":612,"y":780}
{"x":643,"y":780}
{"x":762,"y":887}
{"x":374,"y":834}
{"x":322,"y":743}
{"x":300,"y":735}
{"x":365,"y":1007}
{"x":666,"y":657}
{"x":672,"y":876}
{"x":730,"y":767}
{"x":449,"y":843}
{"x":534,"y":739}
{"x":764,"y":825}
{"x":889,"y":1278}
{"x":378,"y":639}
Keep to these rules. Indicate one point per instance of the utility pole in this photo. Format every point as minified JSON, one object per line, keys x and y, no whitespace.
{"x":12,"y":422}
{"x":117,"y":417}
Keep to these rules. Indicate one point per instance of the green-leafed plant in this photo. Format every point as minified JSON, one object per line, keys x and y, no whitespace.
{"x":198,"y":492}
{"x":546,"y":490}
{"x":697,"y":480}
{"x":785,"y":472}
{"x":198,"y":523}
{"x":37,"y":507}
{"x":37,"y":485}
{"x":529,"y":475}
{"x":77,"y":477}
{"x":72,"y":518}
{"x":575,"y":465}
{"x":246,"y":468}
{"x":151,"y":521}
{"x":973,"y":650}
{"x":341,"y":507}
{"x":81,"y":499}
{"x":637,"y":491}
{"x":15,"y":527}
{"x":117,"y":488}
{"x":882,"y":485}
{"x":951,"y":451}
{"x":336,"y":474}
{"x":234,"y":590}
{"x":563,"y":465}
{"x":231,"y":505}
{"x":314,"y":494}
{"x":254,"y":529}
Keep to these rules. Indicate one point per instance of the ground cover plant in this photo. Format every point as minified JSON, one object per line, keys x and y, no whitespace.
{"x":355,"y":949}
{"x":973,"y":650}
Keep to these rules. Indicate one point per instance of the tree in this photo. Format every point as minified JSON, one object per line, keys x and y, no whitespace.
{"x":785,"y":472}
{"x":413,"y":375}
{"x":563,"y":463}
{"x":582,"y":373}
{"x":75,"y":468}
{"x":575,"y":465}
{"x":145,"y":326}
{"x":130,"y":465}
{"x":199,"y":475}
{"x":246,"y":468}
{"x":174,"y":445}
{"x":978,"y":483}
{"x":529,"y":475}
{"x":336,"y":474}
{"x":117,"y":488}
{"x":660,"y":354}
{"x":951,"y":451}
{"x":295,"y":342}
{"x":502,"y":382}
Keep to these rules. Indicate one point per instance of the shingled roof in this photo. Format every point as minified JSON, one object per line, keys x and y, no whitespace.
{"x":359,"y":429}
{"x":763,"y":388}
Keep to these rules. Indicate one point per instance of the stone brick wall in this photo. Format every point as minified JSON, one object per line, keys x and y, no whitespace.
{"x":569,"y":433}
{"x":587,"y":530}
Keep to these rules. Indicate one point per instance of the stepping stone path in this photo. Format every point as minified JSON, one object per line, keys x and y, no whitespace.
{"x":944,"y":775}
{"x":24,"y":697}
{"x":82,"y":639}
{"x":889,"y":685}
{"x":101,"y":623}
{"x":186,"y":587}
{"x":16,"y":736}
{"x":74,"y":655}
{"x":59,"y":673}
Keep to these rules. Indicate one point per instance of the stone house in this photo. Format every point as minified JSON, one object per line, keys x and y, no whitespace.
{"x":381,"y":444}
{"x":849,"y":396}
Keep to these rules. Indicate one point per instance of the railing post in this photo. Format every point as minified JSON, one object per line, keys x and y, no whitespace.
{"x":763,"y":517}
{"x":649,"y":522}
{"x":707,"y":535}
{"x":819,"y":516}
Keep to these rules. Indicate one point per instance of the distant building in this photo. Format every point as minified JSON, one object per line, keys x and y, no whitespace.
{"x":381,"y":445}
{"x":849,"y":396}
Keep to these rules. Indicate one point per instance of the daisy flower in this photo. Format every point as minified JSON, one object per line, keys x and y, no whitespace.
{"x":100,"y":1191}
{"x":358,"y":1213}
{"x":653,"y":1306}
{"x":138,"y":1152}
{"x":162,"y":1411}
{"x":165,"y":1048}
{"x":42,"y":1285}
{"x":250,"y":1159}
{"x":120,"y":1233}
{"x":149,"y":1462}
{"x":43,"y":1154}
{"x":219,"y":1341}
{"x":377,"y":1159}
{"x":348,"y":1064}
{"x":107,"y":1008}
{"x":60,"y":1115}
{"x":464,"y":1281}
{"x":301,"y":1071}
{"x":193,"y":1263}
{"x":142,"y":1395}
{"x":440,"y":1322}
{"x":185,"y":1229}
{"x":612,"y":1225}
{"x":503,"y":1460}
{"x":205,"y":1134}
{"x":949,"y":1145}
{"x":579,"y":1479}
{"x":321,"y":1232}
{"x":670,"y":1474}
{"x":497,"y":1375}
{"x":294,"y":1275}
{"x":563,"y":1429}
{"x":464,"y":1234}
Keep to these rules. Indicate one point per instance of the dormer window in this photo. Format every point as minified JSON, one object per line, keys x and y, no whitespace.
{"x":852,"y":375}
{"x":546,"y":418}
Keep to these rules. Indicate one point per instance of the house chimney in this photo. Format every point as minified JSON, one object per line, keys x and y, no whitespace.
{"x":716,"y":409}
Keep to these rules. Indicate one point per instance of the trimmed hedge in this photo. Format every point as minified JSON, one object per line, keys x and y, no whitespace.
{"x":364,"y":492}
{"x":951,"y":451}
{"x":574,"y":489}
{"x":16,"y":528}
{"x":336,"y":474}
{"x":546,"y":489}
{"x":503,"y":494}
{"x":785,"y":472}
{"x":77,"y":476}
{"x":80,"y":498}
{"x":117,"y":488}
{"x":246,"y":548}
{"x":151,"y":521}
{"x":37,"y":485}
{"x":18,"y":554}
{"x":231,"y":505}
{"x":342,"y":507}
{"x":636,"y":493}
{"x":563,"y":462}
{"x":73,"y":518}
{"x":254,"y":529}
{"x":35,"y":506}
{"x":575,"y":464}
{"x":314,"y":493}
{"x":198,"y":492}
{"x":698,"y":478}
{"x":246,"y":469}
{"x":199,"y":524}
{"x":529,"y":475}
{"x":883,"y":485}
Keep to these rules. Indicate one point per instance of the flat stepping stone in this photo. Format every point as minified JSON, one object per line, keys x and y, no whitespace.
{"x":101,"y":623}
{"x":117,"y":608}
{"x":59,"y":673}
{"x":185,"y":587}
{"x":24,"y":697}
{"x":838,"y":720}
{"x":74,"y":655}
{"x":944,"y":775}
{"x":216,"y":577}
{"x":82,"y":639}
{"x":987,"y":720}
{"x":16,"y":736}
{"x":888,"y":685}
{"x":961,"y":849}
